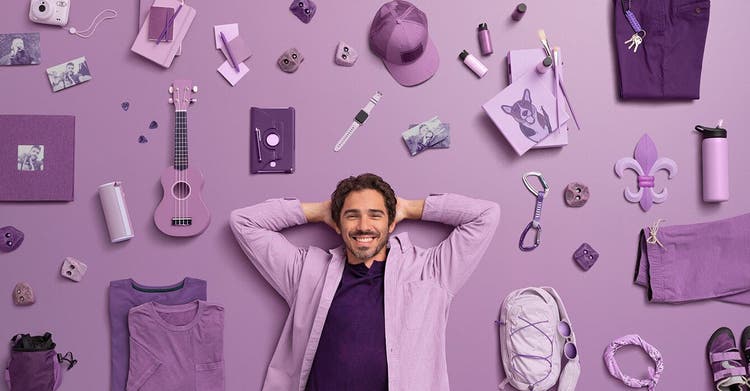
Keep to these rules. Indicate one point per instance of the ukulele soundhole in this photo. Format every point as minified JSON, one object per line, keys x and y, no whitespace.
{"x":181,"y":190}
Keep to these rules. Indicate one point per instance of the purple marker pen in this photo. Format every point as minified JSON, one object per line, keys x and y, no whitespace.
{"x":485,"y":42}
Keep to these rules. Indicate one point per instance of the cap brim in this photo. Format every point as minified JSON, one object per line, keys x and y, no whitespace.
{"x":416,"y":72}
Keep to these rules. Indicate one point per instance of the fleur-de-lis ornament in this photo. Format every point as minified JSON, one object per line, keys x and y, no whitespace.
{"x":646,"y":165}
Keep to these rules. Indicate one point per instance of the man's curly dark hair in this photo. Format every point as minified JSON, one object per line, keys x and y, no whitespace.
{"x":362,"y":182}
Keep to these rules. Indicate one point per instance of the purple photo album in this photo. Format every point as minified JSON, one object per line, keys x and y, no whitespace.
{"x":37,"y":157}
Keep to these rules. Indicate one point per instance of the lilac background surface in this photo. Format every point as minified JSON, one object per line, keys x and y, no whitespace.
{"x":603,"y":302}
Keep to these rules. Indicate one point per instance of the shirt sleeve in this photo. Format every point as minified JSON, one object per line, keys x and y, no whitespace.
{"x":257,"y":227}
{"x":143,"y":365}
{"x":454,"y":259}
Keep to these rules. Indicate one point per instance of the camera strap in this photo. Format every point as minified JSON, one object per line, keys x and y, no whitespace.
{"x":107,"y":13}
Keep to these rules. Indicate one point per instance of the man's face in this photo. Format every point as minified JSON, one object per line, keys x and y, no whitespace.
{"x":363,"y":224}
{"x":34,"y":153}
{"x":69,"y":67}
{"x":17,"y":45}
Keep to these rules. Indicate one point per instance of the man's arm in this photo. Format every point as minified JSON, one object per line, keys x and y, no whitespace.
{"x":453,"y":260}
{"x":257,"y":231}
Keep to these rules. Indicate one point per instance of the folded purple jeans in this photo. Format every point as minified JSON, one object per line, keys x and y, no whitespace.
{"x":696,"y":261}
{"x":668,"y":63}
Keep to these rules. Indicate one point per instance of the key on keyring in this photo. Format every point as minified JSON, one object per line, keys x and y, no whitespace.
{"x":634,"y":42}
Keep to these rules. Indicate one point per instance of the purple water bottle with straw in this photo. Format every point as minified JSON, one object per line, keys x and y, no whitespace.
{"x":715,"y":152}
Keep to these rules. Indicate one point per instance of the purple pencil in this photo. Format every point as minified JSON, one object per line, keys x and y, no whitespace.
{"x":229,"y":51}
{"x":163,"y":34}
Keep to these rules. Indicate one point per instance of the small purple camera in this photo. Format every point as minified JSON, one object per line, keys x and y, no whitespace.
{"x":304,"y":10}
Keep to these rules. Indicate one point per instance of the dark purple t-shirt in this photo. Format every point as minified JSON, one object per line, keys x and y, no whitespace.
{"x":351,"y":352}
{"x":126,"y":294}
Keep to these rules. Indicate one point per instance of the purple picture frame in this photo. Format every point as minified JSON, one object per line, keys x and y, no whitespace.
{"x":54,"y":180}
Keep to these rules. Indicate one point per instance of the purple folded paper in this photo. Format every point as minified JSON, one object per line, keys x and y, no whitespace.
{"x":37,"y":157}
{"x":239,"y":49}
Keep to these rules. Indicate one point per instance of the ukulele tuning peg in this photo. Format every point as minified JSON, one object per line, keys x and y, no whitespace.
{"x":195,"y":89}
{"x":193,"y":100}
{"x":171,"y":100}
{"x":171,"y":89}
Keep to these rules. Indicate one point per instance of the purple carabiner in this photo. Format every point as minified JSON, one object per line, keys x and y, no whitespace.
{"x":534,"y":224}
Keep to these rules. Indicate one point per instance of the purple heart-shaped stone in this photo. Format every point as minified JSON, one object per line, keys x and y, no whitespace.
{"x":142,"y":139}
{"x":125,"y":105}
{"x":153,"y":125}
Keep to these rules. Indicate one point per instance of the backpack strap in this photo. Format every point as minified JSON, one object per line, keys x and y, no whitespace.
{"x":571,"y":372}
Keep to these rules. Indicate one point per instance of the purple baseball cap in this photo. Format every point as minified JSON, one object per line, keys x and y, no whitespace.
{"x":398,"y":35}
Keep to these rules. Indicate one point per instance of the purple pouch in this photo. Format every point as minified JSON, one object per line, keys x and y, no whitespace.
{"x":34,"y":365}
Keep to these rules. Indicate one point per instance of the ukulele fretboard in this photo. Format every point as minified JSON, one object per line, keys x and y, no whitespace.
{"x":180,"y":140}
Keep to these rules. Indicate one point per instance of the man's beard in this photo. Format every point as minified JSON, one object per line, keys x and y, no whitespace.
{"x":364,"y":255}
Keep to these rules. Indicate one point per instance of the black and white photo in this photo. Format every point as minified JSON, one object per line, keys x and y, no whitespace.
{"x":68,"y":74}
{"x":31,"y":157}
{"x":20,"y":49}
{"x":425,"y":135}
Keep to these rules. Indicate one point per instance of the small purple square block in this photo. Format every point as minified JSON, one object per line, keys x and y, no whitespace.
{"x":585,"y":256}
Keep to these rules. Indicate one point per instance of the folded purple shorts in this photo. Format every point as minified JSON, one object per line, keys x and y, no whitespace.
{"x":682,"y":263}
{"x":668,"y":63}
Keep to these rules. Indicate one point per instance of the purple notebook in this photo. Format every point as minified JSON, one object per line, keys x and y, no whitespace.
{"x":37,"y":157}
{"x":158,"y":18}
{"x":523,"y":61}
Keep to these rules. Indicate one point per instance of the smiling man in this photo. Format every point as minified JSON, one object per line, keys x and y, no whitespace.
{"x":370,"y":314}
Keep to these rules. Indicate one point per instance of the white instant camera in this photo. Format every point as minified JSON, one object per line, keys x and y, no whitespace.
{"x":53,"y":12}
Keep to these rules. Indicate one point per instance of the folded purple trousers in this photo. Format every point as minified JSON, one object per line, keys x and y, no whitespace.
{"x":668,"y":63}
{"x":682,"y":263}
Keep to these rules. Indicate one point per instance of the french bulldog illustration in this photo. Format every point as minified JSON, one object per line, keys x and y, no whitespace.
{"x":534,"y":123}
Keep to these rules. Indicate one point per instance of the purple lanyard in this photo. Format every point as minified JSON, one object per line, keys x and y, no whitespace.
{"x":631,"y":18}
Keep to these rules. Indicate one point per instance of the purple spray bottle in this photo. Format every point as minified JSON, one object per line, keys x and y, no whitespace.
{"x":715,"y":152}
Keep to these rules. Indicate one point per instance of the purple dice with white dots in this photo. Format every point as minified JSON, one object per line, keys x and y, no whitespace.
{"x":304,"y":10}
{"x":345,"y":55}
{"x":585,"y":256}
{"x":290,"y":60}
{"x":576,"y":194}
{"x":11,"y":238}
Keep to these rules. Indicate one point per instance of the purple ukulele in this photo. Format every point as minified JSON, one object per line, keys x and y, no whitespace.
{"x":181,"y":211}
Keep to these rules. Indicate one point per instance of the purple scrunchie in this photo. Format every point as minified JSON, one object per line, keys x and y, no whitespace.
{"x":614,"y":370}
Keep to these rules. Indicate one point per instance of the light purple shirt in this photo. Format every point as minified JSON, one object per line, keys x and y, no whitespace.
{"x":419,"y":287}
{"x":176,"y":347}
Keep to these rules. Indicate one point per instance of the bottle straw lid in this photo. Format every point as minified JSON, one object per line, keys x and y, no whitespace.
{"x":716,"y":132}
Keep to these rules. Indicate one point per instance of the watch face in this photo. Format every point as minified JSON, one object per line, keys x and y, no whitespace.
{"x":361,"y":117}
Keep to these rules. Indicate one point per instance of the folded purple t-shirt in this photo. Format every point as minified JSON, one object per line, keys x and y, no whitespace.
{"x":176,"y":347}
{"x":126,"y":294}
